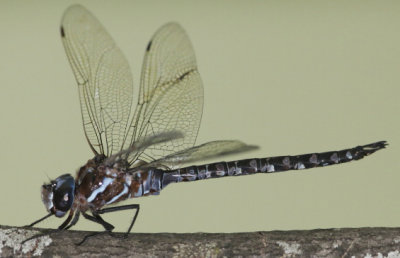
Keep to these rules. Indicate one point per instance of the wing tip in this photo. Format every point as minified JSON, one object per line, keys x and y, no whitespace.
{"x":73,"y":10}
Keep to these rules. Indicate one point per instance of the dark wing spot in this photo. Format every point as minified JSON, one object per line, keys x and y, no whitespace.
{"x":184,"y":75}
{"x":180,"y":78}
{"x":62,"y":32}
{"x":148,"y":46}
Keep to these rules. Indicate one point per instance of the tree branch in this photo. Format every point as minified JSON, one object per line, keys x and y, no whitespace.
{"x":358,"y":242}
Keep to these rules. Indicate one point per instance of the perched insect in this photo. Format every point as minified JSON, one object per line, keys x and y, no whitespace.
{"x":139,"y":153}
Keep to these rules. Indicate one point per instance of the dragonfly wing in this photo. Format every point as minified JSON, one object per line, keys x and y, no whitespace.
{"x":104,"y":79}
{"x":204,"y":151}
{"x":141,"y":145}
{"x":171,"y":93}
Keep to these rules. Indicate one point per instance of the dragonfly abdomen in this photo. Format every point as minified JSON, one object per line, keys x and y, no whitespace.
{"x":270,"y":164}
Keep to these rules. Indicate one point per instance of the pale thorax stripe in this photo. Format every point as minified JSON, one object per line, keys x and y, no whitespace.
{"x":106,"y":182}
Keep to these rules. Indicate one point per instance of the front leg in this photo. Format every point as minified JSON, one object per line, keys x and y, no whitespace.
{"x":63,"y":226}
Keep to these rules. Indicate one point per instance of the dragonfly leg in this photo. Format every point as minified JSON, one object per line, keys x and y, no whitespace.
{"x":96,"y":218}
{"x":74,"y":221}
{"x":63,"y":226}
{"x":66,"y":222}
{"x":107,"y":226}
{"x":121,"y":208}
{"x":39,"y":220}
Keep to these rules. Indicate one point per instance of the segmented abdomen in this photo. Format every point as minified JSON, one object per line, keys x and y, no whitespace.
{"x":269,"y":165}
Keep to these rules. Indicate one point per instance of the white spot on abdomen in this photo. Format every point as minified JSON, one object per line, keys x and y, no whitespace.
{"x":335,"y":158}
{"x":314,"y":159}
{"x":220,"y":173}
{"x":270,"y":168}
{"x":299,"y":165}
{"x":286,"y":162}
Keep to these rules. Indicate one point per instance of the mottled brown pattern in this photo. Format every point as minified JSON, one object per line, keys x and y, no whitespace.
{"x":113,"y":189}
{"x":90,"y":181}
{"x":83,"y":170}
{"x":135,"y":187}
{"x":91,"y":177}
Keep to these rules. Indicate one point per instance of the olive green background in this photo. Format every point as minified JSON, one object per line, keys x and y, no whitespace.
{"x":291,"y":77}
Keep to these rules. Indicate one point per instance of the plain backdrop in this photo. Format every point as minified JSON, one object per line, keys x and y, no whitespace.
{"x":291,"y":77}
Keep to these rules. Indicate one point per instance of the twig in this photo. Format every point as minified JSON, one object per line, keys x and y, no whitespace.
{"x":358,"y":242}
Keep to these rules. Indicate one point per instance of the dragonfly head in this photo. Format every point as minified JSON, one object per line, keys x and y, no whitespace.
{"x":58,"y":196}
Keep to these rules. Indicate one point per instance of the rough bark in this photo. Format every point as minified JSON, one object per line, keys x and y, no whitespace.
{"x":357,"y":242}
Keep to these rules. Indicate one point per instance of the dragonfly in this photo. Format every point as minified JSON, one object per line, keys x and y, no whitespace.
{"x":138,"y":153}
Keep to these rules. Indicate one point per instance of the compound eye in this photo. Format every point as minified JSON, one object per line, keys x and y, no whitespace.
{"x":63,"y":193}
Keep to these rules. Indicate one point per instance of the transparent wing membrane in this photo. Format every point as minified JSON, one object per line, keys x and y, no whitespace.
{"x":164,"y":126}
{"x":142,"y":144}
{"x":171,"y":93}
{"x":202,"y":152}
{"x":103,"y":76}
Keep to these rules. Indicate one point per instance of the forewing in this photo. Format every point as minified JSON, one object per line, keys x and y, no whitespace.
{"x":205,"y":151}
{"x":103,"y":76}
{"x":171,"y":93}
